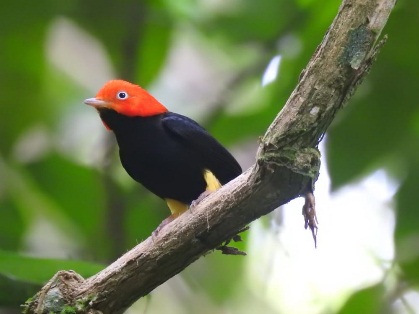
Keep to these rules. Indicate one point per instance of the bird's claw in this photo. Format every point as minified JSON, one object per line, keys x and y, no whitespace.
{"x":229,"y":250}
{"x":163,"y":224}
{"x":310,"y":217}
{"x":200,"y":198}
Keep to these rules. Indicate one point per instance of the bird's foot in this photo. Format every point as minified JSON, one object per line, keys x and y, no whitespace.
{"x":229,"y":250}
{"x":200,"y":198}
{"x":163,"y":224}
{"x":309,"y":213}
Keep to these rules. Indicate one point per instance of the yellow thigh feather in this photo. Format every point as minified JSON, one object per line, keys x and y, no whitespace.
{"x":177,"y":208}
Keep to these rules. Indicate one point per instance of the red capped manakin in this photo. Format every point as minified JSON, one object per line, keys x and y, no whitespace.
{"x":169,"y":154}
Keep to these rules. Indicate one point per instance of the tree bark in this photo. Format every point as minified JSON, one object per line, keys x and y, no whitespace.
{"x":287,"y":163}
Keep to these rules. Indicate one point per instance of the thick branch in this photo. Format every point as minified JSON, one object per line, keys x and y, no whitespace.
{"x":287,"y":161}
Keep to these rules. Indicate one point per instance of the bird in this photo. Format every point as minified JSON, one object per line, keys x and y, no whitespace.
{"x":168,"y":153}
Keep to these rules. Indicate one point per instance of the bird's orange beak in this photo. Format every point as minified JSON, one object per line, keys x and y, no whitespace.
{"x":97,"y":103}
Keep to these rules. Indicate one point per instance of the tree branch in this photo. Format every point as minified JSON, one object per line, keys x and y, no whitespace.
{"x":287,"y":162}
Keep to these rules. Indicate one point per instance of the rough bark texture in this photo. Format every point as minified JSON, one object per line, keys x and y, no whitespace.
{"x":286,"y":164}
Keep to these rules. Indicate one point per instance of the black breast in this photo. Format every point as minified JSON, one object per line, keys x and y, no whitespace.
{"x":155,"y":158}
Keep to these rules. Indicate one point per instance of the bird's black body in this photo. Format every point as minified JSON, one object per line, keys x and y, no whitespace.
{"x":168,"y":154}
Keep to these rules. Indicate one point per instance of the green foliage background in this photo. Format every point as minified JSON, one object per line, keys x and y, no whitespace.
{"x":100,"y":212}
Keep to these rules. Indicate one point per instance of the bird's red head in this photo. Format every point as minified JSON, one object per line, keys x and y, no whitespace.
{"x":127,"y":99}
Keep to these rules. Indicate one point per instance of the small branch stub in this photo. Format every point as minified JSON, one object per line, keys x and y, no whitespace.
{"x":53,"y":296}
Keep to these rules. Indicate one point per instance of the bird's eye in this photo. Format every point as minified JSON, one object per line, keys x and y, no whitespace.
{"x":122,"y":95}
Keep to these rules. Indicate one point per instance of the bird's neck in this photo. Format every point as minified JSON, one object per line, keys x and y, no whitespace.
{"x":128,"y":129}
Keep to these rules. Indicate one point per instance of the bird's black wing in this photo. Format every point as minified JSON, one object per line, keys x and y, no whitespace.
{"x":214,"y":156}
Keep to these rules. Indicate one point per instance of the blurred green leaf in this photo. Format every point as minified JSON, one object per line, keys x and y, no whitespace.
{"x":229,"y":128}
{"x":370,"y":130}
{"x":22,"y":62}
{"x":15,"y":292}
{"x":216,"y":271}
{"x":31,"y":201}
{"x":40,"y":270}
{"x":368,"y":300}
{"x":154,"y":46}
{"x":145,"y":212}
{"x":378,"y":122}
{"x":136,"y":37}
{"x":12,"y":225}
{"x":407,"y":227}
{"x":407,"y":206}
{"x":247,"y":20}
{"x":79,"y":193}
{"x":22,"y":276}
